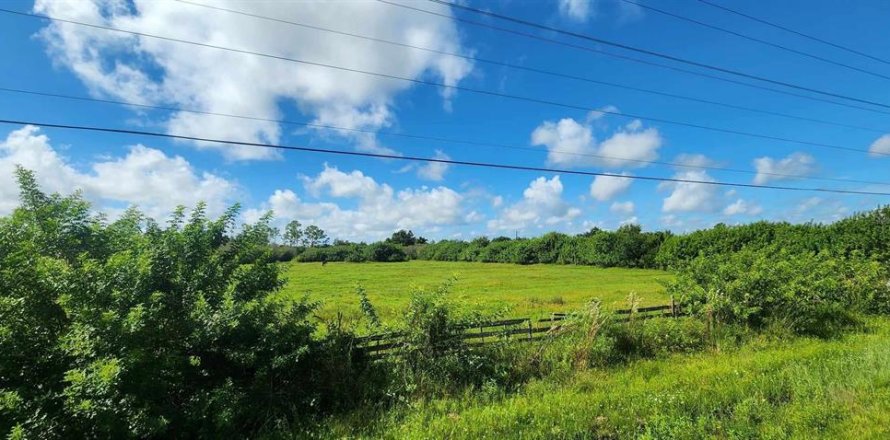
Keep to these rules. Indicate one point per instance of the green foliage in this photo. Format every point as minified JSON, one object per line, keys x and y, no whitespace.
{"x":797,"y":389}
{"x":131,"y":329}
{"x":405,"y":238}
{"x":626,"y":247}
{"x":314,"y":236}
{"x":804,"y":292}
{"x":385,"y":253}
{"x":293,"y":233}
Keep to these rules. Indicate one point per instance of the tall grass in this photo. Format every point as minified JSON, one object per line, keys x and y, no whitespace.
{"x":803,"y":388}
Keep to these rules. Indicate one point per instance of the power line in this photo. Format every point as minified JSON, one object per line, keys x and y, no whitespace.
{"x":430,"y":159}
{"x":459,"y":88}
{"x":628,"y":58}
{"x":433,"y":138}
{"x":798,"y":33}
{"x":655,"y":53}
{"x":755,"y":39}
{"x":534,"y":70}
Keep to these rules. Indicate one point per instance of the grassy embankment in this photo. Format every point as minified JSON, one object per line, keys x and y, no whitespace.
{"x":800,"y":388}
{"x":515,"y":290}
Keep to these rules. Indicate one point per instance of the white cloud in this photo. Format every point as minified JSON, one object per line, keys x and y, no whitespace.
{"x":497,"y":201}
{"x":379,"y":209}
{"x":629,"y":221}
{"x":796,"y":164}
{"x":690,"y":196}
{"x":434,"y":171}
{"x":742,"y":207}
{"x":626,"y":208}
{"x":694,"y":160}
{"x":572,"y":143}
{"x":577,"y":10}
{"x":881,"y":146}
{"x":605,"y":187}
{"x":153,"y":71}
{"x":541,"y":204}
{"x":672,"y":221}
{"x":145,"y":176}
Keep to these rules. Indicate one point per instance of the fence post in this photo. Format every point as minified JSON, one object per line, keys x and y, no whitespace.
{"x":529,"y":320}
{"x":673,"y":307}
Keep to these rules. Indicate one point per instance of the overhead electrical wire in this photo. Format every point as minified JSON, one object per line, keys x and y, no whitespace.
{"x":755,"y":39}
{"x":655,"y":53}
{"x":798,"y":33}
{"x":456,"y":87}
{"x":534,"y":70}
{"x":434,"y":138}
{"x":627,"y":58}
{"x":493,"y":165}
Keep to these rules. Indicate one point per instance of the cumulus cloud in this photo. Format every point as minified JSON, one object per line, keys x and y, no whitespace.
{"x":880,"y":147}
{"x":626,"y":208}
{"x":577,"y":10}
{"x":629,"y":221}
{"x":605,"y":187}
{"x":541,"y":204}
{"x":583,"y":10}
{"x":572,"y":143}
{"x":742,"y":207}
{"x":690,"y":196}
{"x":147,"y":70}
{"x":796,"y":164}
{"x":434,"y":171}
{"x":694,"y":160}
{"x":146,"y":177}
{"x":379,"y":209}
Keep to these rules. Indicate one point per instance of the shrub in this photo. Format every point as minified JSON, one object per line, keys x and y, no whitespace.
{"x":808,"y":293}
{"x":385,"y":253}
{"x":132,"y":329}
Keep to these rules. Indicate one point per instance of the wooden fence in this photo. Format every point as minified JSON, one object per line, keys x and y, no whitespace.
{"x":520,"y":329}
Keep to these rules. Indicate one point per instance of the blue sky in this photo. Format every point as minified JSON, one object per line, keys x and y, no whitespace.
{"x":361,"y":198}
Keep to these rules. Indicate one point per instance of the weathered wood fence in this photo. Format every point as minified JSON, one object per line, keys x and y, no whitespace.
{"x":520,"y":329}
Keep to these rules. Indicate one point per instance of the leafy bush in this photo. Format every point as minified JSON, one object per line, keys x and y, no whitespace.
{"x":385,"y":253}
{"x":805,"y":292}
{"x":132,"y":329}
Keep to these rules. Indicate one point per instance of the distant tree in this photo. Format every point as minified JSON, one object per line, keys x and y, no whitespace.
{"x":293,"y":232}
{"x":405,"y":238}
{"x":314,"y":236}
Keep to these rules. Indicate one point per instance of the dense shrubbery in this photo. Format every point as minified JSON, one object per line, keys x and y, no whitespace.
{"x":626,"y":247}
{"x":133,"y":329}
{"x":863,"y":234}
{"x":805,"y":292}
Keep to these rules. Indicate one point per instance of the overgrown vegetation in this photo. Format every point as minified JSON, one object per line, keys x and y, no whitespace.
{"x":131,"y":329}
{"x":135,"y":329}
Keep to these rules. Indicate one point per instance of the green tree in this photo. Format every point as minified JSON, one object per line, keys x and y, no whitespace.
{"x":405,"y":238}
{"x":293,"y":233}
{"x":314,"y":236}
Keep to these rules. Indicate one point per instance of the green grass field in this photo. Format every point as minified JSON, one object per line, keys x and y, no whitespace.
{"x":787,"y":389}
{"x":515,"y":290}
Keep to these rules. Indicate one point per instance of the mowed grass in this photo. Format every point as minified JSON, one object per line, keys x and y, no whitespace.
{"x":512,"y":290}
{"x":797,"y":389}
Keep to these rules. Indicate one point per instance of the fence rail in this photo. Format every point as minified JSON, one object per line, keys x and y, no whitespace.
{"x":520,"y":329}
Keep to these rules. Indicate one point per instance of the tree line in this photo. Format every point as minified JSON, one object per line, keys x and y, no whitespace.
{"x":628,"y":246}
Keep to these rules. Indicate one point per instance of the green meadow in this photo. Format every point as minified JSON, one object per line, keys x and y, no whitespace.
{"x":511,"y":289}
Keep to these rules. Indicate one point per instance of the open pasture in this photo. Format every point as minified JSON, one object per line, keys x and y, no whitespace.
{"x":513,"y":290}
